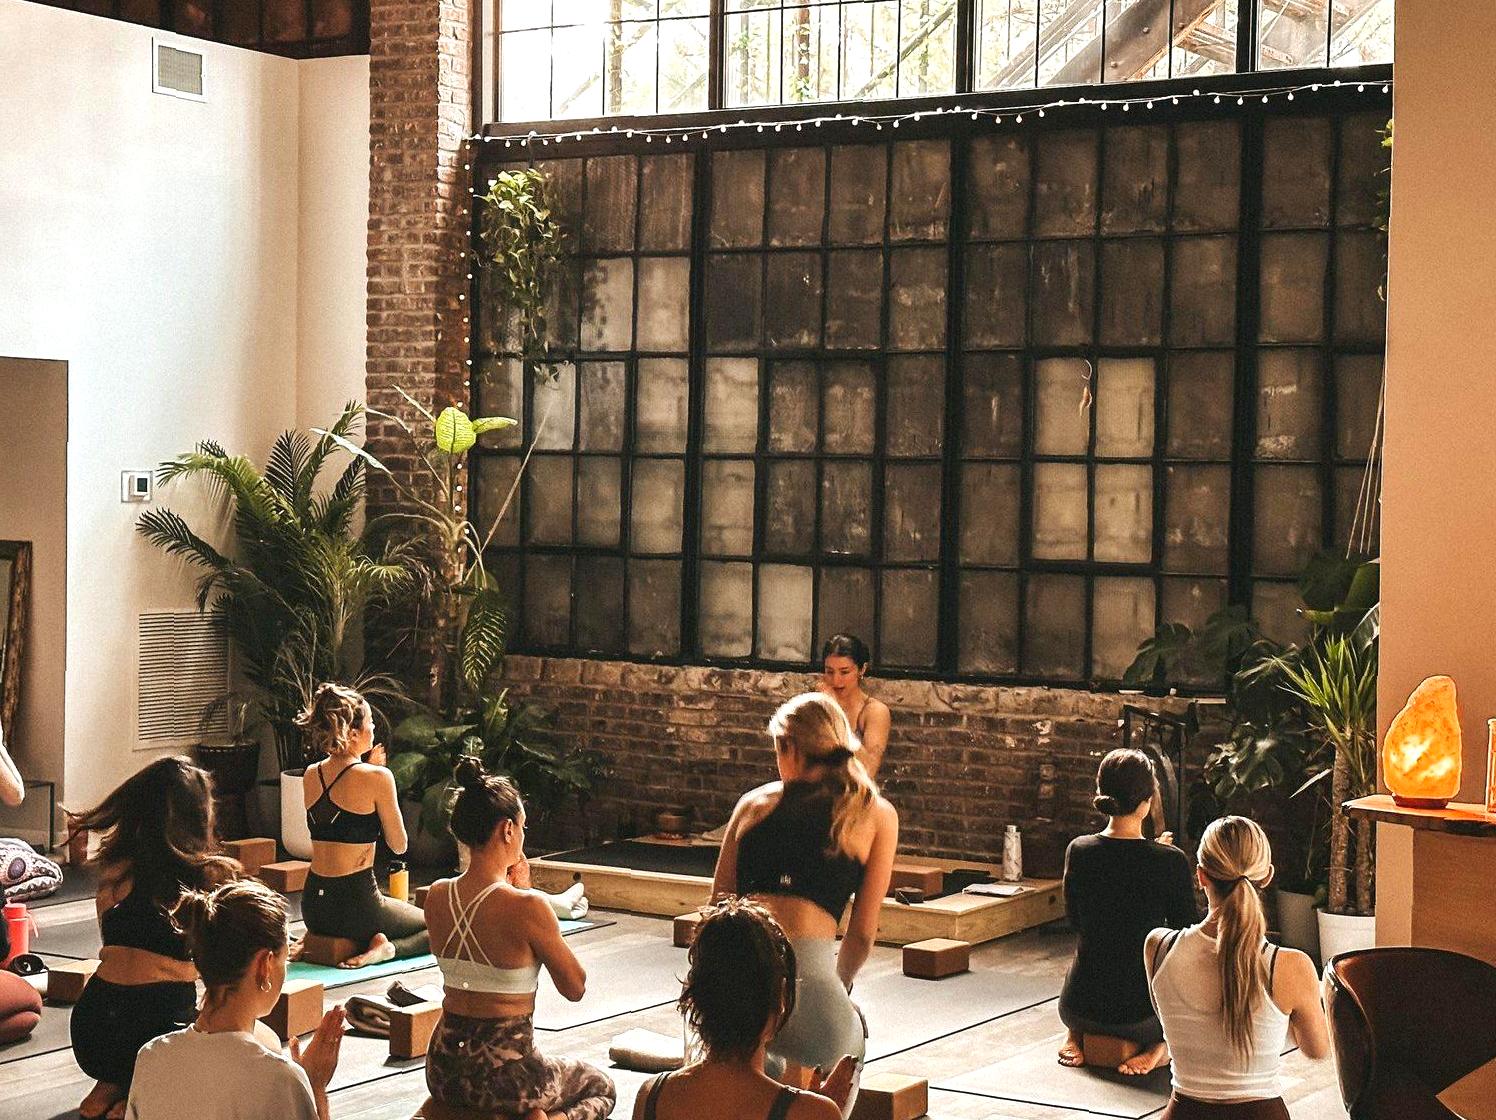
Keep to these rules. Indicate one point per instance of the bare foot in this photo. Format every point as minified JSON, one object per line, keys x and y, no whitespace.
{"x":1070,"y":1053}
{"x":1146,"y":1061}
{"x":116,"y":1111}
{"x":101,"y":1098}
{"x":380,"y":949}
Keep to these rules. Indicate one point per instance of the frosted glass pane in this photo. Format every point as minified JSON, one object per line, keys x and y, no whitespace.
{"x":854,"y":299}
{"x":916,"y":405}
{"x":737,"y":198}
{"x":555,"y":403}
{"x":726,"y":609}
{"x":797,"y":196}
{"x":1207,"y":185}
{"x":1286,"y":528}
{"x":1201,"y":389}
{"x":992,"y":412}
{"x":998,"y":186}
{"x":1360,"y":271}
{"x":548,"y":484}
{"x":665,"y":203}
{"x":655,"y":513}
{"x":563,"y":307}
{"x":1197,"y":512}
{"x":1290,"y":404}
{"x":1293,"y":287}
{"x":1054,"y":612}
{"x":603,"y":414}
{"x":1132,"y":292}
{"x":599,"y":508}
{"x":1296,"y":168}
{"x":654,"y":608}
{"x":1192,"y":601}
{"x":661,"y":408}
{"x":1203,"y":292}
{"x":1358,"y":385}
{"x":911,"y":512}
{"x":1363,"y":169}
{"x":1065,"y":191}
{"x":1124,"y":407}
{"x":496,"y":474}
{"x":664,"y":303}
{"x":1059,"y":511}
{"x":731,"y":404}
{"x":988,"y":622}
{"x":794,"y":406}
{"x":612,"y":185}
{"x":921,"y":190}
{"x":846,"y":604}
{"x":989,"y":513}
{"x":1275,"y":608}
{"x":1063,"y":292}
{"x":792,"y":300}
{"x":917,"y":299}
{"x":734,"y":303}
{"x":599,"y":604}
{"x":1124,"y":514}
{"x":910,"y":602}
{"x":547,"y":600}
{"x":1121,"y":620}
{"x":859,"y":190}
{"x":1062,"y":417}
{"x":1357,"y":512}
{"x":850,"y":402}
{"x":784,"y":612}
{"x":996,"y":309}
{"x":790,"y":516}
{"x":1135,"y":190}
{"x":608,"y":305}
{"x":727,"y":507}
{"x":846,"y":508}
{"x":501,"y":392}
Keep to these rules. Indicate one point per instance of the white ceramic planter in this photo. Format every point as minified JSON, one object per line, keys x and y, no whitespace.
{"x":1297,"y":923}
{"x":1344,"y":933}
{"x":294,"y":835}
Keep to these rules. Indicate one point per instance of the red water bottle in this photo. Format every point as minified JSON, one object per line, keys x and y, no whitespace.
{"x":18,"y":923}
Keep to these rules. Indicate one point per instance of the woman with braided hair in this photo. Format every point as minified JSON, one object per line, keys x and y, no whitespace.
{"x":803,"y":847}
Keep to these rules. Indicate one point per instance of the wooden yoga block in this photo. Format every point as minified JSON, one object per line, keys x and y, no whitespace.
{"x":891,"y":1096}
{"x":421,"y":893}
{"x":288,"y":876}
{"x":411,"y":1029}
{"x":1106,"y":1052}
{"x":331,"y":951}
{"x":298,"y":1010}
{"x":253,"y":853}
{"x":937,"y":957}
{"x":928,"y":879}
{"x":685,"y":929}
{"x":65,"y":982}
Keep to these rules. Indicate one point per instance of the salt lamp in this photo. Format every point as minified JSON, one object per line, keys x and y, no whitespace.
{"x":1421,"y":754}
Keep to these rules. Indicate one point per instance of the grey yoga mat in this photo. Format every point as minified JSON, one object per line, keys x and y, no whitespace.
{"x":903,"y":1012}
{"x":623,"y":975}
{"x":1035,"y":1077}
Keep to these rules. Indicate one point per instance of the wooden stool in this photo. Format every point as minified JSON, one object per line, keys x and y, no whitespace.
{"x":329,"y":951}
{"x":298,"y":1010}
{"x":928,"y":879}
{"x":892,"y":1096}
{"x":1105,"y":1051}
{"x":936,"y":958}
{"x":252,"y":854}
{"x":685,"y":929}
{"x":288,"y":876}
{"x":65,"y":982}
{"x":411,"y":1029}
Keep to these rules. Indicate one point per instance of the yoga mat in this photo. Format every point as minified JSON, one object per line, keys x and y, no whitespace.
{"x":700,"y":860}
{"x":903,"y":1012}
{"x":77,"y":884}
{"x":623,"y":975}
{"x":77,"y":939}
{"x":51,"y":1034}
{"x":1035,"y":1077}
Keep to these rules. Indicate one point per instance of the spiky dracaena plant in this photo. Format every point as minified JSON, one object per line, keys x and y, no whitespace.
{"x":292,"y":586}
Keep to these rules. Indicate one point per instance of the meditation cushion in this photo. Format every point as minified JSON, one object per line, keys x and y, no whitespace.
{"x":24,"y":874}
{"x":20,"y":1008}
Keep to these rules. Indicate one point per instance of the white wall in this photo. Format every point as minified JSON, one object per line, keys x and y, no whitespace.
{"x":154,"y":244}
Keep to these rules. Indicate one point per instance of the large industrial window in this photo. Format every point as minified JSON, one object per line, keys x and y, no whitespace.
{"x":1001,"y":401}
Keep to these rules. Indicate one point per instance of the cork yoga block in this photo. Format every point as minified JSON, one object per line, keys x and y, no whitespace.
{"x":892,"y":1096}
{"x":685,"y":929}
{"x":916,"y":875}
{"x":411,"y":1029}
{"x":1105,"y":1051}
{"x":65,"y":982}
{"x":420,"y":896}
{"x":288,"y":876}
{"x":329,"y":951}
{"x":936,"y":958}
{"x":297,"y":1011}
{"x":252,"y":854}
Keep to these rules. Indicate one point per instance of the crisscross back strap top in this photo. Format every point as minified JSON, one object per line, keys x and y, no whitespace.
{"x":327,"y":820}
{"x":472,"y":971}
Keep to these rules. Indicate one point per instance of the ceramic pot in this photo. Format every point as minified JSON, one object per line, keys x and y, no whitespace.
{"x":1344,"y":933}
{"x":294,"y":835}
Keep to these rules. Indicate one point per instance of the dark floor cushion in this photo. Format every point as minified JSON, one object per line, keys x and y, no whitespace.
{"x":20,"y":1008}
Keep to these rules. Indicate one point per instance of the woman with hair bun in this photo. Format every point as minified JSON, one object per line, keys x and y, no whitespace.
{"x":1229,"y":999}
{"x":803,"y":847}
{"x":228,"y":1065}
{"x":1118,"y":886}
{"x":350,"y":804}
{"x":738,"y":993}
{"x":492,"y":939}
{"x":845,"y":661}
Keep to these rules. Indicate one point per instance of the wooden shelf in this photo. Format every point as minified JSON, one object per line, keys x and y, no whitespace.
{"x":1456,"y":819}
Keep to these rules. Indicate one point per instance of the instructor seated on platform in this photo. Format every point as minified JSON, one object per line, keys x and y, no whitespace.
{"x":804,"y":846}
{"x":349,"y":805}
{"x":845,"y":662}
{"x":1118,"y":886}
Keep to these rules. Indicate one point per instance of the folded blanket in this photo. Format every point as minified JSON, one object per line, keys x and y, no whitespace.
{"x":25,"y":875}
{"x":370,"y":1015}
{"x":647,"y":1051}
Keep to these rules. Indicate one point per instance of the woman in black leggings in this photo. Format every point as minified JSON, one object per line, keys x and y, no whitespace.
{"x":350,"y":804}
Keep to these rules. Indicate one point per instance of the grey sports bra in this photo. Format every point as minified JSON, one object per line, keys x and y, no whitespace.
{"x":777,"y":1111}
{"x":469,"y":974}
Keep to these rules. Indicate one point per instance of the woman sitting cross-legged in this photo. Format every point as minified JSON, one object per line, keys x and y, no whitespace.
{"x":227,"y":1065}
{"x":1229,"y":1000}
{"x":491,"y":940}
{"x":803,"y":846}
{"x":1118,"y":886}
{"x":350,"y":804}
{"x":738,"y":993}
{"x":158,"y":844}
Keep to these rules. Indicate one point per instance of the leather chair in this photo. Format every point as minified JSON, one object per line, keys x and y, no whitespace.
{"x":1407,"y":1023}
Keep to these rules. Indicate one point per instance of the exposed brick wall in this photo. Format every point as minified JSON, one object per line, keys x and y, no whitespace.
{"x":963,"y":761}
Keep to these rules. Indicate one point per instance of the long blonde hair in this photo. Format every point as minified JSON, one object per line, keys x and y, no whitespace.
{"x":815,"y":725}
{"x":329,"y":721}
{"x":1238,"y":860}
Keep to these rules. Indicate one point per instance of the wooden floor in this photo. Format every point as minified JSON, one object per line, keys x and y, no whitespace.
{"x":48,"y":1086}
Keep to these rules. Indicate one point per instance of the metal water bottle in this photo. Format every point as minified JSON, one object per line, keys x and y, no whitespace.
{"x":1012,"y":855}
{"x":399,"y":881}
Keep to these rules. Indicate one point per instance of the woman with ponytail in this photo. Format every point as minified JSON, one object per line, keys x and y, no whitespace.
{"x":1118,"y":886}
{"x":804,"y":846}
{"x":228,"y":1065}
{"x":1229,"y":999}
{"x":351,"y":803}
{"x":738,"y":993}
{"x":492,"y":940}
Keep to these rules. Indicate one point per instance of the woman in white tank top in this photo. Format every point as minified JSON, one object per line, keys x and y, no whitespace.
{"x":1229,"y":1000}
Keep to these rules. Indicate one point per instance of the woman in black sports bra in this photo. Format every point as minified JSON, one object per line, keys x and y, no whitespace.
{"x":158,"y":843}
{"x":803,"y":847}
{"x":739,"y":991}
{"x":350,"y":804}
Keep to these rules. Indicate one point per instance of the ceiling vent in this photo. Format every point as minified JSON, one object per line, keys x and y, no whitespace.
{"x":184,"y":667}
{"x":175,"y":72}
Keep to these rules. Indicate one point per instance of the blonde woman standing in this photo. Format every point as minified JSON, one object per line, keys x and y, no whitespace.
{"x":1228,"y":999}
{"x":350,"y":804}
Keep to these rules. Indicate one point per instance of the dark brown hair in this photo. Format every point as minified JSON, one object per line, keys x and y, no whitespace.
{"x":226,"y":927}
{"x":486,"y":801}
{"x":848,"y":645}
{"x":332,"y":717}
{"x":1124,"y":780}
{"x":741,"y":979}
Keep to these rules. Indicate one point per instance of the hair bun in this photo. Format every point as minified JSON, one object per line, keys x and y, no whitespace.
{"x":1105,"y":803}
{"x":469,"y":772}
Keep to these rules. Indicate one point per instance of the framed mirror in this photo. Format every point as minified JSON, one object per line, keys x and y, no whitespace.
{"x":15,"y":586}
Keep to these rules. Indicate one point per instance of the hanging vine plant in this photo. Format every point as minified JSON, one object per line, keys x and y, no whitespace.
{"x":521,"y":245}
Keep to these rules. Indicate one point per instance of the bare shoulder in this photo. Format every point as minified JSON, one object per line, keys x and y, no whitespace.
{"x":813,"y":1106}
{"x":1295,"y":969}
{"x":876,"y":709}
{"x":884,"y":813}
{"x":756,"y":803}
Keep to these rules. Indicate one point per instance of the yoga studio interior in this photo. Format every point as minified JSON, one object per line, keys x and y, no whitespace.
{"x":747,"y":559}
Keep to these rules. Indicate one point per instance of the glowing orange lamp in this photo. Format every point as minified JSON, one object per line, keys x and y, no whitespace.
{"x":1421,"y":754}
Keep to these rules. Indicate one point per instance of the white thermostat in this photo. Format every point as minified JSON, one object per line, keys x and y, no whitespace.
{"x":135,"y":486}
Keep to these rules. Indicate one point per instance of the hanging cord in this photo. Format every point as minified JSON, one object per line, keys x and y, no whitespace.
{"x":1363,"y":526}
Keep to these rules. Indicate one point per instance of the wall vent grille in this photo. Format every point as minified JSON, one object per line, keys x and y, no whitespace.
{"x":184,"y":667}
{"x":177,"y":72}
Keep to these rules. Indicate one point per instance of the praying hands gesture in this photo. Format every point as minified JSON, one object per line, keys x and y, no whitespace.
{"x":320,"y":1058}
{"x":836,"y":1085}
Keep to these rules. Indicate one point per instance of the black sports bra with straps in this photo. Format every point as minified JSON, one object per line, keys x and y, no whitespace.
{"x":777,"y":1111}
{"x":327,"y":820}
